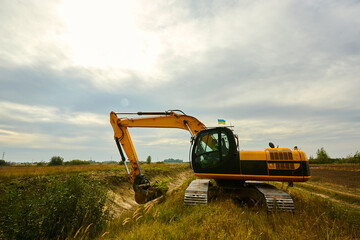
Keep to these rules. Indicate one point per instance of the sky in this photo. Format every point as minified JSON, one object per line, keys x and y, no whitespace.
{"x":281,"y":71}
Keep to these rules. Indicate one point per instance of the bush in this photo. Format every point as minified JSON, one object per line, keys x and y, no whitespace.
{"x":3,"y":163}
{"x":322,"y":156}
{"x":56,"y":210}
{"x":56,"y":161}
{"x":350,"y":159}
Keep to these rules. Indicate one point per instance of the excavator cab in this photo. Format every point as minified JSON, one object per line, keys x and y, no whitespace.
{"x":214,"y":150}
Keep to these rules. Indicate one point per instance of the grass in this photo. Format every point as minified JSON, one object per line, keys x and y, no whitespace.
{"x":222,"y":218}
{"x":315,"y":218}
{"x":27,"y":171}
{"x":65,"y":202}
{"x":342,"y":196}
{"x":56,"y":208}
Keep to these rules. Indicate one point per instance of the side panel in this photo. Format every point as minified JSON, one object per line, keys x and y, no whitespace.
{"x":274,"y":164}
{"x":253,"y":167}
{"x":253,"y":163}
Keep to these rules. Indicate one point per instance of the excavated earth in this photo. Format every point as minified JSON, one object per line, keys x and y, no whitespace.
{"x":122,"y":196}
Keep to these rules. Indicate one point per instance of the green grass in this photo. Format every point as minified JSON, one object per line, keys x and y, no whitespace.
{"x":315,"y":218}
{"x":64,"y":202}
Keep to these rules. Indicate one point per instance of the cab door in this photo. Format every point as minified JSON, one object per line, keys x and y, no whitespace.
{"x":214,"y":151}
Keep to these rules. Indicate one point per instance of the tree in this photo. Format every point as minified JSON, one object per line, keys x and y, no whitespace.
{"x":56,"y":161}
{"x":357,"y":156}
{"x":322,"y":156}
{"x":148,"y":160}
{"x":3,"y":163}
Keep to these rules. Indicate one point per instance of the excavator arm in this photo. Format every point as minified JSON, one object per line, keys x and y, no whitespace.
{"x":168,"y":119}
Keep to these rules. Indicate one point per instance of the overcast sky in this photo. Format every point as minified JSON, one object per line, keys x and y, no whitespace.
{"x":280,"y":71}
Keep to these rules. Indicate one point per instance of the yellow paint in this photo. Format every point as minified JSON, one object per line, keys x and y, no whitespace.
{"x":253,"y":177}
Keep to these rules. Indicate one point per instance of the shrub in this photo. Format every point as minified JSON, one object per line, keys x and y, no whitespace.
{"x":148,"y":160}
{"x":162,"y":185}
{"x":56,"y":210}
{"x":322,"y":155}
{"x":56,"y":161}
{"x":3,"y":163}
{"x":350,"y":158}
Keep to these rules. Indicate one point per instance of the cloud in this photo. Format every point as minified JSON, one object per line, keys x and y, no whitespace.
{"x":47,"y":114}
{"x":30,"y":31}
{"x":283,"y":70}
{"x":41,"y":141}
{"x":45,"y":127}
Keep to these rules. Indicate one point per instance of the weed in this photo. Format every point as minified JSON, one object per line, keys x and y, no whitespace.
{"x":161,"y":185}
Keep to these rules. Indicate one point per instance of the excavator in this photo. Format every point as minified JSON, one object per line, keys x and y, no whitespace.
{"x":214,"y":155}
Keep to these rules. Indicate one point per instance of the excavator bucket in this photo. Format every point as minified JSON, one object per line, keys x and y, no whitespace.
{"x":144,"y":192}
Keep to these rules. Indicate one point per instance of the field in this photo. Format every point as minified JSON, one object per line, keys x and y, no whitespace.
{"x":327,"y":207}
{"x":347,"y":175}
{"x":339,"y":183}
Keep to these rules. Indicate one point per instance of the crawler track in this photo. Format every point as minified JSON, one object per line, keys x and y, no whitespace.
{"x":197,"y":192}
{"x":267,"y":195}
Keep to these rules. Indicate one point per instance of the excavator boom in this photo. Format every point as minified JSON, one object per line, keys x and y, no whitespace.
{"x":169,"y":119}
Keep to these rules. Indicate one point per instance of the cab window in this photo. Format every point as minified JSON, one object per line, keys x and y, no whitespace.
{"x":211,"y":148}
{"x":224,"y":145}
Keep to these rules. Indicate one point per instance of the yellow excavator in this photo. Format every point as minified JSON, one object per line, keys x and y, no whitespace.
{"x":214,"y":155}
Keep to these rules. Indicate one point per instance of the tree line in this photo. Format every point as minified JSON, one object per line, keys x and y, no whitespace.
{"x":322,"y":157}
